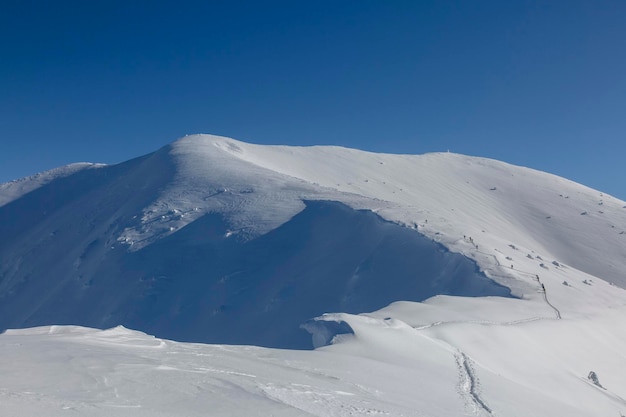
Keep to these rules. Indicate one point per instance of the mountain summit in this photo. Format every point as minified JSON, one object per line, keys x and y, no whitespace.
{"x":214,"y":240}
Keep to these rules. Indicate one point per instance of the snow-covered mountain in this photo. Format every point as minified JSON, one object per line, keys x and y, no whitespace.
{"x":485,"y":288}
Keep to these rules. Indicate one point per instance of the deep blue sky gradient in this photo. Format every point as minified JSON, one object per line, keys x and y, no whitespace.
{"x":538,"y":84}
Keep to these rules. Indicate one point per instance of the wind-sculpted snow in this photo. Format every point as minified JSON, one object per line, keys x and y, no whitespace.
{"x":199,"y":285}
{"x":457,"y":195}
{"x":324,"y":330}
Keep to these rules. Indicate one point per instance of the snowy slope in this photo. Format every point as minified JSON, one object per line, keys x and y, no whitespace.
{"x":209,"y":234}
{"x":461,"y":195}
{"x":192,"y":244}
{"x":457,"y":195}
{"x":12,"y":190}
{"x":211,"y":239}
{"x":386,"y":368}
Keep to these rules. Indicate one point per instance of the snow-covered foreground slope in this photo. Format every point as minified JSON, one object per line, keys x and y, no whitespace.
{"x":386,"y":367}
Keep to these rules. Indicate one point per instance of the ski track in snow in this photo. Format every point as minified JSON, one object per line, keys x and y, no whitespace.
{"x":606,"y":392}
{"x":487,"y":322}
{"x":469,"y":384}
{"x":556,"y":310}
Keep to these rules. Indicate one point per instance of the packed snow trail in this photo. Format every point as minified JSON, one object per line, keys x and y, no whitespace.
{"x":543,"y":289}
{"x":469,"y":383}
{"x":487,"y":322}
{"x":545,"y":297}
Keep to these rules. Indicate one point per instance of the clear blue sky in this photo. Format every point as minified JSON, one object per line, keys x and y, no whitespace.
{"x":539,"y":84}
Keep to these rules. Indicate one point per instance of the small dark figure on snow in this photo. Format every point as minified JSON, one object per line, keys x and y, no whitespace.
{"x":593,"y":377}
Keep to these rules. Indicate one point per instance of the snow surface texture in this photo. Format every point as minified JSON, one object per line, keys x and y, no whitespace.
{"x":387,"y":368}
{"x":86,"y":237}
